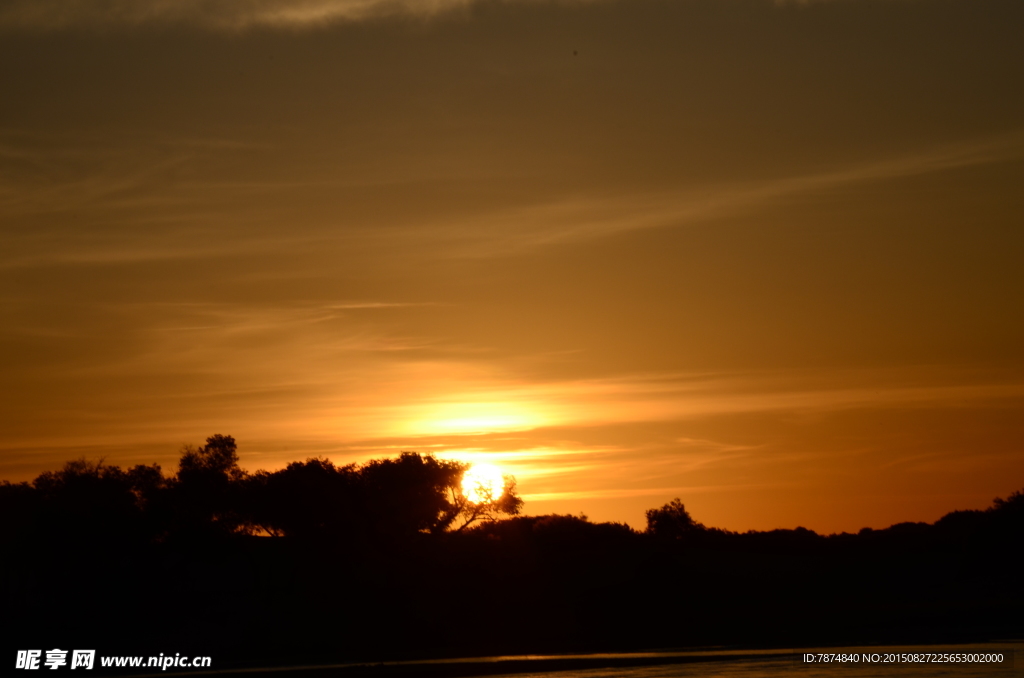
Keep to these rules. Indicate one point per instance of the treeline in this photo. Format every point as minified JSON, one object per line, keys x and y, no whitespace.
{"x":211,"y":496}
{"x":389,"y":560}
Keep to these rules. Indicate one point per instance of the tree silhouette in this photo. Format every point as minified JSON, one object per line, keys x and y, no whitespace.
{"x":207,"y":488}
{"x":92,"y":500}
{"x":306,"y":500}
{"x":488,"y":507}
{"x":420,"y":493}
{"x":671,"y":521}
{"x":1012,"y":504}
{"x":381,"y":499}
{"x":218,"y":459}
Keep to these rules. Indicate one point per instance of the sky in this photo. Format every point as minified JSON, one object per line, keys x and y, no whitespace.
{"x":763,"y":256}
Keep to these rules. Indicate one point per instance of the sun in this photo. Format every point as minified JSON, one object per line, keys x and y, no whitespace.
{"x":483,"y":483}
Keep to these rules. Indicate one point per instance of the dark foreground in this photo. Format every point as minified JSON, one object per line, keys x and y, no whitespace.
{"x":550,"y":584}
{"x":98,"y":559}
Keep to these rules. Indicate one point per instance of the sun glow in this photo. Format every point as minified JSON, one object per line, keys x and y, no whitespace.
{"x":468,"y":418}
{"x":482,"y":424}
{"x":483,"y":483}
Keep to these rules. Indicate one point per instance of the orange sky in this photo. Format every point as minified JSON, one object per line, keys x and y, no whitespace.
{"x":763,"y":256}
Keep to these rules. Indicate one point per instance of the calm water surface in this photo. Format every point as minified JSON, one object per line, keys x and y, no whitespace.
{"x":729,"y":664}
{"x":714,"y":663}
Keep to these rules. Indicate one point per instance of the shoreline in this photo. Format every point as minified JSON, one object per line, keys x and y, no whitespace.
{"x":466,"y":667}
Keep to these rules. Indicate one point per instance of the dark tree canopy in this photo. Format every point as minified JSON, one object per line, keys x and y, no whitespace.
{"x":206,"y":493}
{"x":383,"y":498}
{"x":307,"y":499}
{"x":412,"y":493}
{"x":216,"y":461}
{"x":93,"y":500}
{"x":490,"y":508}
{"x":671,"y":521}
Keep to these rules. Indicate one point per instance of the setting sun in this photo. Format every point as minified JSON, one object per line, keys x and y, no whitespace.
{"x":483,"y":483}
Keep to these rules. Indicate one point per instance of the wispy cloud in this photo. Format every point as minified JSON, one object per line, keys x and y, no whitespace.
{"x":216,"y":14}
{"x":223,"y":14}
{"x":635,"y":492}
{"x":233,"y":14}
{"x":586,"y":216}
{"x":473,"y":394}
{"x":50,"y":174}
{"x":45,"y":181}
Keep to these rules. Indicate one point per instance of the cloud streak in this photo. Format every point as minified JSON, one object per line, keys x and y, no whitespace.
{"x":140,"y":184}
{"x":212,"y":14}
{"x":619,"y":494}
{"x":232,"y":14}
{"x":218,"y":14}
{"x":576,"y":219}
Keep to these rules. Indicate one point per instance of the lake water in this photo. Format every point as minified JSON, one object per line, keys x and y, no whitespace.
{"x":787,"y":663}
{"x":710,"y":663}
